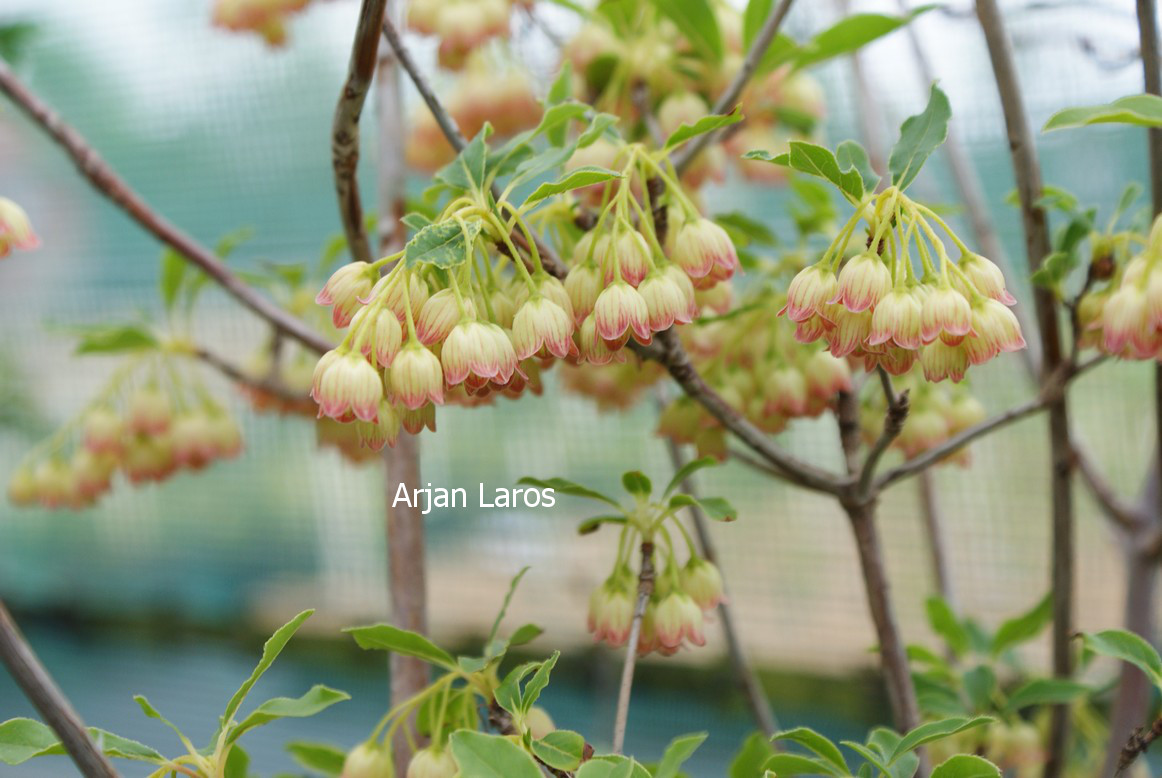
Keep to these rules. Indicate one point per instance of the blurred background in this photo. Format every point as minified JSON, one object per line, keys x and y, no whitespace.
{"x":169,"y":590}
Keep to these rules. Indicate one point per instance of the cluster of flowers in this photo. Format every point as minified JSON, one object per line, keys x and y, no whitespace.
{"x":481,"y":94}
{"x":673,"y":615}
{"x":753,"y":361}
{"x":15,"y":229}
{"x":463,"y":26}
{"x":266,"y":18}
{"x":936,"y":412}
{"x":420,"y":336}
{"x":872,"y":306}
{"x":156,"y":434}
{"x":1124,"y":318}
{"x":780,"y":105}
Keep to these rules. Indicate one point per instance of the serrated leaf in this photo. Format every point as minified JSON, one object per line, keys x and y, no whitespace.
{"x":586,"y":175}
{"x":1127,"y":647}
{"x":316,"y":700}
{"x":508,"y":692}
{"x":561,"y":749}
{"x":920,"y":135}
{"x":415,"y":221}
{"x":817,"y":161}
{"x":466,"y":171}
{"x":1045,"y":691}
{"x":152,"y":712}
{"x":320,"y":757}
{"x":704,"y":125}
{"x":698,"y":24}
{"x":491,"y":756}
{"x":966,"y":766}
{"x":935,"y":730}
{"x":680,"y":749}
{"x":270,"y":651}
{"x":444,"y":244}
{"x":1024,"y":627}
{"x":717,"y":508}
{"x":821,"y":746}
{"x":565,"y":486}
{"x":852,"y":156}
{"x":386,"y":637}
{"x":872,"y":758}
{"x":1139,"y":110}
{"x":612,"y":766}
{"x":115,"y":339}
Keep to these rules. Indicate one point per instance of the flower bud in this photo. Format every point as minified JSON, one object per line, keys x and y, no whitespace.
{"x":827,"y":376}
{"x":92,"y":473}
{"x":102,"y":431}
{"x":15,"y":229}
{"x":592,"y":347}
{"x":702,"y":247}
{"x":945,"y":314}
{"x":702,"y":580}
{"x":22,"y":486}
{"x":626,"y":257}
{"x":345,"y":384}
{"x":345,"y":290}
{"x":610,"y":613}
{"x":549,"y":288}
{"x":368,"y":760}
{"x":786,"y":392}
{"x":897,"y":319}
{"x":810,"y":289}
{"x":863,"y":282}
{"x":148,"y":458}
{"x":986,"y":277}
{"x":439,"y":314}
{"x":850,"y":333}
{"x":483,"y":350}
{"x":621,"y":309}
{"x":225,"y":436}
{"x":539,"y":722}
{"x":678,"y":618}
{"x":542,"y":327}
{"x":994,"y":329}
{"x":1126,"y":320}
{"x":940,"y":360}
{"x":583,"y":284}
{"x":416,"y":377}
{"x":680,"y":108}
{"x":380,"y":333}
{"x":192,"y":445}
{"x":966,"y":411}
{"x":665,"y":301}
{"x":149,"y":411}
{"x":54,"y":482}
{"x":431,"y":762}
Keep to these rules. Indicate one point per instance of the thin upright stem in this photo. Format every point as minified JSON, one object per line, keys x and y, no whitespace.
{"x":38,"y":686}
{"x":937,"y":542}
{"x":645,"y":588}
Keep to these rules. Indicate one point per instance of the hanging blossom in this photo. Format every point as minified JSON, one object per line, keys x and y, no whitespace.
{"x":1124,"y":318}
{"x":15,"y":229}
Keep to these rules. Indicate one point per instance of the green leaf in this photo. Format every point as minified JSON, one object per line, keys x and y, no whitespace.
{"x":1055,"y":268}
{"x":1140,"y":110}
{"x":873,"y":758}
{"x":526,"y":633}
{"x":1127,"y":647}
{"x":945,"y":624}
{"x":466,"y":172}
{"x":796,"y":764}
{"x":812,"y":740}
{"x":508,"y":693}
{"x":14,"y":40}
{"x":612,"y":766}
{"x":935,"y":730}
{"x":570,"y":488}
{"x":698,"y":24}
{"x":586,"y":175}
{"x":749,"y":761}
{"x":541,"y":163}
{"x":318,"y":699}
{"x":979,"y":684}
{"x":270,"y":651}
{"x":115,"y":339}
{"x":153,"y":713}
{"x":1045,"y":691}
{"x":687,"y":470}
{"x":966,"y":766}
{"x":538,"y":682}
{"x":852,"y":156}
{"x":237,"y":763}
{"x":445,"y":244}
{"x":22,"y":739}
{"x":602,"y":124}
{"x":560,"y":749}
{"x":504,"y":605}
{"x":320,"y":757}
{"x":816,"y":161}
{"x":230,"y":242}
{"x":416,"y":221}
{"x":594,"y":523}
{"x":852,"y":33}
{"x":1024,"y":627}
{"x":920,"y":135}
{"x":680,"y":749}
{"x":744,"y":230}
{"x":385,"y":637}
{"x":636,"y":483}
{"x":717,"y":508}
{"x":704,"y":125}
{"x":173,"y":268}
{"x":491,"y":756}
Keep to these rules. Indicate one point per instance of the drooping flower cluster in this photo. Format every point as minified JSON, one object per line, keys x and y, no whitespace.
{"x":1124,"y":317}
{"x":266,"y":18}
{"x":148,"y":432}
{"x":875,"y":307}
{"x":15,"y":229}
{"x":936,"y":412}
{"x":462,"y":26}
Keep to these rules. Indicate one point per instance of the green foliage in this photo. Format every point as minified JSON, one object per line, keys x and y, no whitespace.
{"x":1139,"y":110}
{"x":560,"y":749}
{"x":574,"y":179}
{"x":704,"y":125}
{"x":115,"y":339}
{"x":698,"y":23}
{"x":386,"y":637}
{"x":817,"y":161}
{"x":1127,"y":647}
{"x":491,"y":756}
{"x":445,"y":244}
{"x":920,"y":135}
{"x":318,"y":757}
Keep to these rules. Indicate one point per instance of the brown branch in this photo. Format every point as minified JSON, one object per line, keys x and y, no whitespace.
{"x":937,"y":542}
{"x":40,"y":689}
{"x":645,"y":588}
{"x":1125,"y":514}
{"x":447,"y":124}
{"x":728,"y":99}
{"x":847,"y":420}
{"x":345,"y":126}
{"x":1138,"y":743}
{"x":894,"y":419}
{"x":268,"y":385}
{"x":107,"y":182}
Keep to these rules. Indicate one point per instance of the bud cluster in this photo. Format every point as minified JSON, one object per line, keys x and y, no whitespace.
{"x":462,"y":26}
{"x":266,"y":18}
{"x":15,"y":229}
{"x":1124,"y":317}
{"x":871,"y":306}
{"x":147,"y":432}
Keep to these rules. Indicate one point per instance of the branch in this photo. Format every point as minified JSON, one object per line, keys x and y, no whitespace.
{"x":728,"y":99}
{"x":345,"y":126}
{"x":447,"y":124}
{"x":38,"y":686}
{"x":108,"y":183}
{"x":1138,"y":743}
{"x":645,"y":588}
{"x":894,"y":419}
{"x":1126,"y":515}
{"x":937,"y":545}
{"x":268,"y":385}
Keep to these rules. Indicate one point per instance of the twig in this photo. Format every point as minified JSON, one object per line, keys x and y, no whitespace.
{"x":1125,"y":514}
{"x":345,"y":126}
{"x":640,"y":95}
{"x":728,"y":99}
{"x":1037,"y":246}
{"x":266,"y":385}
{"x":645,"y":588}
{"x":38,"y":686}
{"x":937,"y":545}
{"x":847,"y":420}
{"x":443,"y":118}
{"x":1138,"y":743}
{"x":108,"y":183}
{"x":894,"y":419}
{"x":760,"y":465}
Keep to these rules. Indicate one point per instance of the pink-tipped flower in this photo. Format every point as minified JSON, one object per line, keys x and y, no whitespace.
{"x":92,"y":473}
{"x":994,"y":330}
{"x":986,"y":277}
{"x":786,"y":392}
{"x":416,"y":377}
{"x":812,"y":328}
{"x":678,"y":618}
{"x":863,"y":281}
{"x":54,"y":483}
{"x":592,"y":348}
{"x":193,"y":446}
{"x":1126,"y":320}
{"x":150,"y":412}
{"x":432,"y":762}
{"x":225,"y":435}
{"x":811,"y":289}
{"x":380,"y":333}
{"x":827,"y":376}
{"x":715,"y":297}
{"x":702,"y":580}
{"x":850,"y":332}
{"x":923,"y":430}
{"x":384,"y":431}
{"x":665,"y":301}
{"x":417,"y":420}
{"x":895,"y":360}
{"x":393,"y":297}
{"x":620,"y":311}
{"x":945,"y":314}
{"x":15,"y":228}
{"x":148,"y":458}
{"x":542,"y":327}
{"x":346,"y":386}
{"x":551,"y":288}
{"x":1154,"y":296}
{"x":345,"y":290}
{"x":610,"y":613}
{"x":896,"y":319}
{"x":477,"y":349}
{"x":627,"y":256}
{"x":439,"y":314}
{"x":702,"y":248}
{"x":940,"y":360}
{"x":583,"y":284}
{"x":103,"y":431}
